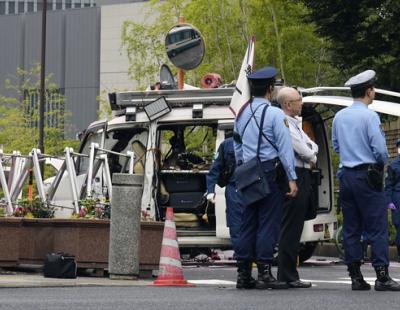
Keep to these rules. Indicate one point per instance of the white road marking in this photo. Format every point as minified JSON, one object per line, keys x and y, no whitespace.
{"x":314,"y":282}
{"x":212,"y":282}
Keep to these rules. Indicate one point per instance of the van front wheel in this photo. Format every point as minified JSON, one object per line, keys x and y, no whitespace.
{"x":306,"y":250}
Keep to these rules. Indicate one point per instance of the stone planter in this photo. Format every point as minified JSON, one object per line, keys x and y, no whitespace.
{"x":10,"y":230}
{"x":27,"y":241}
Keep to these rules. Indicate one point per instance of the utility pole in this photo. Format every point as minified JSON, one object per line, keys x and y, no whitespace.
{"x":42,"y":102}
{"x":181,"y":72}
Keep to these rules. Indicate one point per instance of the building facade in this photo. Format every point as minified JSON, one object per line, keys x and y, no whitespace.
{"x":82,"y":49}
{"x":9,"y":7}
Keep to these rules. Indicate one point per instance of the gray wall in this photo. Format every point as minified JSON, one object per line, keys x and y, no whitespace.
{"x":11,"y":48}
{"x":73,"y":56}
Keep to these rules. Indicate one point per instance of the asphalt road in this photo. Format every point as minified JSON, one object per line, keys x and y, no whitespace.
{"x":215,"y":290}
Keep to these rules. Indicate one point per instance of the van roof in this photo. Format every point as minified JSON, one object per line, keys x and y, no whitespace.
{"x":221,"y":97}
{"x":380,"y":106}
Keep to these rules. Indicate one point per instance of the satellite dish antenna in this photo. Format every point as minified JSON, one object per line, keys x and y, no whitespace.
{"x":166,"y":78}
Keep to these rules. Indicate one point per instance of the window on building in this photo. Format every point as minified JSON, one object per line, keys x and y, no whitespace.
{"x":21,"y":8}
{"x":11,"y":7}
{"x":30,"y":6}
{"x":2,"y":8}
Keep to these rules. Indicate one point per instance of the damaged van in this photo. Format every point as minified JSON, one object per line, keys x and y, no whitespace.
{"x":174,"y":135}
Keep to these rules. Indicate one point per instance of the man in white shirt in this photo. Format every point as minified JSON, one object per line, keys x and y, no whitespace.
{"x":295,"y":209}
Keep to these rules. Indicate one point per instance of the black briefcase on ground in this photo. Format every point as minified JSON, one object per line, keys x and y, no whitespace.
{"x":60,"y":265}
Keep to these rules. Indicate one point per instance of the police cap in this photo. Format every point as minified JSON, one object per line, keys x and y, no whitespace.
{"x":265,"y":73}
{"x":398,"y":143}
{"x":362,"y":79}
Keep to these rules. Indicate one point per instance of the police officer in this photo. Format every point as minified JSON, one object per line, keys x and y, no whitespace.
{"x":360,"y":142}
{"x":392,"y":187}
{"x":260,"y":225}
{"x":225,"y":163}
{"x":295,"y":209}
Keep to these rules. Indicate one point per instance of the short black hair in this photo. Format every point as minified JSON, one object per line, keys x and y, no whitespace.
{"x":360,"y":91}
{"x":259,"y":88}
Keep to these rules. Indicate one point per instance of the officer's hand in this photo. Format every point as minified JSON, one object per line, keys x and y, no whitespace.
{"x":211,"y":197}
{"x":293,"y":189}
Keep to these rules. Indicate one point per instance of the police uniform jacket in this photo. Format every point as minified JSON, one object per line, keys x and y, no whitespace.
{"x":275,"y":128}
{"x":225,"y":157}
{"x":358,"y":137}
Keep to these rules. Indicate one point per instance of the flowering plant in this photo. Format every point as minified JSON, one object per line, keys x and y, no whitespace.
{"x":36,"y":208}
{"x":92,"y":208}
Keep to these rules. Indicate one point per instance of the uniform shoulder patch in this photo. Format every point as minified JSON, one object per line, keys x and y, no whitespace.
{"x":285,"y":121}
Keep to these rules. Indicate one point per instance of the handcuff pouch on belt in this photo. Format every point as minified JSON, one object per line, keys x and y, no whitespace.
{"x":375,"y":177}
{"x":251,"y":179}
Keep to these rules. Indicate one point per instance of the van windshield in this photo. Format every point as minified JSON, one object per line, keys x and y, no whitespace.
{"x":185,"y":147}
{"x":182,"y":35}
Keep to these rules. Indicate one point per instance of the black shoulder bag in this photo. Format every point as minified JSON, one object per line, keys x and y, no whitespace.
{"x":281,"y":178}
{"x":251,"y":179}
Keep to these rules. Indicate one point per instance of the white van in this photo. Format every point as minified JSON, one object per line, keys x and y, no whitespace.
{"x":174,"y":175}
{"x":195,"y":123}
{"x":180,"y":39}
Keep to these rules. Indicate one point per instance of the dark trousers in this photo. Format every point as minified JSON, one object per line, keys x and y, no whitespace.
{"x":234,"y":211}
{"x":396,"y":216}
{"x":259,"y":229}
{"x":364,"y":210}
{"x":294,"y":212}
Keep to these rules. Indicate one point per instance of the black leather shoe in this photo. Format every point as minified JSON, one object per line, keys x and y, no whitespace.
{"x":388,"y":285}
{"x":384,"y":282}
{"x":359,"y":284}
{"x":299,"y":284}
{"x":266,"y":280}
{"x":244,"y":278}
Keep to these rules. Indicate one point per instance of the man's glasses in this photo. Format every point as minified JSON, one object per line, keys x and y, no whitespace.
{"x":296,"y":100}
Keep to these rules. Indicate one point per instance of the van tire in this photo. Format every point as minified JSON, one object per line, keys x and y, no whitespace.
{"x":306,"y":250}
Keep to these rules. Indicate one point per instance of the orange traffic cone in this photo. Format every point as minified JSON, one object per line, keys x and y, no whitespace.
{"x":170,"y":270}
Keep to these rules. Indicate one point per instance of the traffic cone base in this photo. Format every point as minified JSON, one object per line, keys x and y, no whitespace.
{"x":170,"y":270}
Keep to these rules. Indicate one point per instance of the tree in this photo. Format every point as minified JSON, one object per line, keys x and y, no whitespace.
{"x":283,"y":39}
{"x":19,"y":114}
{"x":363,"y":34}
{"x":144,"y":43}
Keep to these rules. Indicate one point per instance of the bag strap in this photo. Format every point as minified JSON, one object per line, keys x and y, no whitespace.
{"x":260,"y":133}
{"x":252,"y":115}
{"x":260,"y":129}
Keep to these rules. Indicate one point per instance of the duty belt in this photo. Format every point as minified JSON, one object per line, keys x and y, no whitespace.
{"x":359,"y":167}
{"x":270,"y":164}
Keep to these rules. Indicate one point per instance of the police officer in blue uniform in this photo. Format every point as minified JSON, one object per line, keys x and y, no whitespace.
{"x":392,"y":188}
{"x":259,"y":230}
{"x":360,"y":142}
{"x":223,"y":168}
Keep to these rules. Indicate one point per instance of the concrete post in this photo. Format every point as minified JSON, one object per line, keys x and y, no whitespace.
{"x":123,"y":262}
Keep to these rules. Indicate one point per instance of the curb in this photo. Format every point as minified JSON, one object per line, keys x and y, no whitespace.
{"x":18,"y":280}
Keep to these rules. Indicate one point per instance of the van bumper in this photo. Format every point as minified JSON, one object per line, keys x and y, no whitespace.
{"x":203,"y":241}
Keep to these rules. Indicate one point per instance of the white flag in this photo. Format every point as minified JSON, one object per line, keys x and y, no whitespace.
{"x":241,"y":96}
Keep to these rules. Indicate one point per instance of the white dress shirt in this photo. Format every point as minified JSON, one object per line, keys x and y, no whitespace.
{"x":305,"y":149}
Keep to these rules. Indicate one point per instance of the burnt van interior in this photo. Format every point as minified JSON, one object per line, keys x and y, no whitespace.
{"x":186,"y":154}
{"x":314,"y":127}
